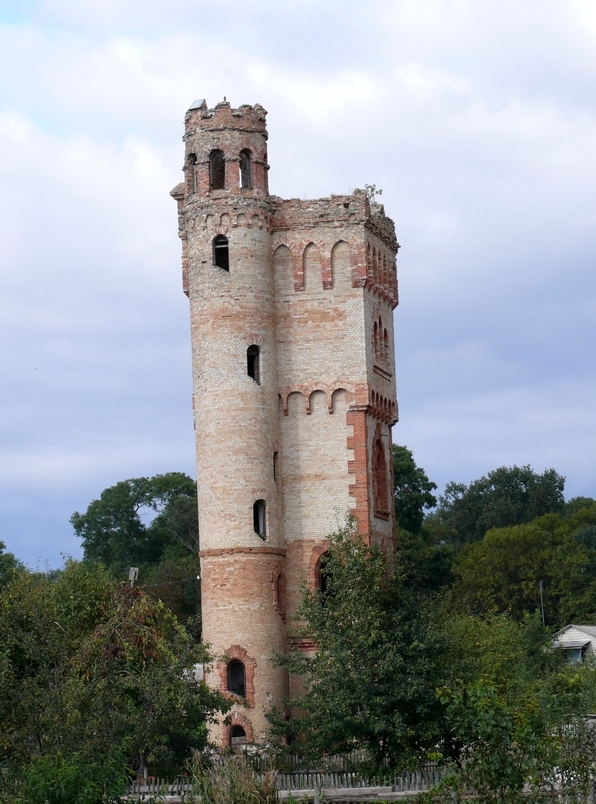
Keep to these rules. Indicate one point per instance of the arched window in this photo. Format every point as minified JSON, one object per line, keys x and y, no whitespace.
{"x":386,"y":344}
{"x":275,"y":460}
{"x":221,"y":252}
{"x":376,"y":340}
{"x":236,"y":678}
{"x":380,"y":480}
{"x":252,"y":363}
{"x":246,"y":169}
{"x":217,"y":170}
{"x":259,"y":520}
{"x":237,"y":736}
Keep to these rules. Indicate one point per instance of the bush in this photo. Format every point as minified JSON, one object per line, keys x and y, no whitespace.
{"x":231,"y":780}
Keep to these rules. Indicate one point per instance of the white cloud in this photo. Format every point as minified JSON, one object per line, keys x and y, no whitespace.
{"x":477,"y":120}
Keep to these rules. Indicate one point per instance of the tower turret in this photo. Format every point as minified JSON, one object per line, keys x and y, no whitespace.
{"x":225,"y":223}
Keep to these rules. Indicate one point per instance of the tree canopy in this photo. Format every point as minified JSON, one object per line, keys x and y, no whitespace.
{"x":501,"y":573}
{"x":92,"y":668}
{"x":412,"y":491}
{"x":371,"y":683}
{"x":114,"y":531}
{"x":505,"y":497}
{"x":8,"y":565}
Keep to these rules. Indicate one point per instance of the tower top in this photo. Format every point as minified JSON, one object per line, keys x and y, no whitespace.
{"x":223,"y":116}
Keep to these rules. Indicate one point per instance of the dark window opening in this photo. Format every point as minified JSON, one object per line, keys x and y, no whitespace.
{"x":237,"y":678}
{"x":322,"y":576}
{"x":259,"y":519}
{"x":217,"y":170}
{"x":275,"y":459}
{"x":252,"y":363}
{"x":245,"y":170}
{"x":237,"y":736}
{"x":290,"y":733}
{"x":221,"y":252}
{"x":192,"y":162}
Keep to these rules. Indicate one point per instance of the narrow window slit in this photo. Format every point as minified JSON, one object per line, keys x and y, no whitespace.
{"x":245,"y":170}
{"x":252,"y":363}
{"x":259,"y":519}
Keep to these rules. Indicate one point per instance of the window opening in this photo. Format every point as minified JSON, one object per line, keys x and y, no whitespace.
{"x":221,"y":252}
{"x":192,"y":162}
{"x":322,"y":576}
{"x":237,"y":736}
{"x":237,"y":678}
{"x":245,"y":170}
{"x":259,"y":519}
{"x":217,"y":170}
{"x":380,"y":480}
{"x":275,"y":459}
{"x":252,"y":363}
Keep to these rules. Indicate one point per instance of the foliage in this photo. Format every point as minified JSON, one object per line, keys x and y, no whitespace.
{"x":112,"y":530}
{"x":372,"y":191}
{"x":513,"y":713}
{"x":371,"y":682}
{"x":231,"y":780}
{"x":412,"y":491}
{"x":87,"y":666}
{"x":75,"y":779}
{"x":165,"y":550}
{"x":505,"y":497}
{"x":501,"y":573}
{"x":8,"y":565}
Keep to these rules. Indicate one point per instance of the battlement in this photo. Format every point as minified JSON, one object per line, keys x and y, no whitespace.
{"x":224,"y":117}
{"x":335,"y":210}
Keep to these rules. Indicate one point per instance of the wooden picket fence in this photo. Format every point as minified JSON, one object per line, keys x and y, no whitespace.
{"x":335,"y":787}
{"x":306,"y":784}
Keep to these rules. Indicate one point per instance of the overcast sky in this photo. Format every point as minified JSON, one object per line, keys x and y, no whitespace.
{"x":478,"y":121}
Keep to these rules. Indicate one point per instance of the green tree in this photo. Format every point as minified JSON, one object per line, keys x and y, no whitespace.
{"x":513,"y":714}
{"x":501,"y":573}
{"x":505,"y":497}
{"x":91,"y":668}
{"x":8,"y":565}
{"x":371,"y":683}
{"x":113,"y":531}
{"x":412,"y":491}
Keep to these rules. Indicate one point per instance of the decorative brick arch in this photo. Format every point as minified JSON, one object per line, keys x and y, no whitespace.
{"x":238,"y":719}
{"x":239,"y":653}
{"x":315,"y":557}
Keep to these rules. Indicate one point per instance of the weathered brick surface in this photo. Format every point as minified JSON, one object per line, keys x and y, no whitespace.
{"x":313,"y":284}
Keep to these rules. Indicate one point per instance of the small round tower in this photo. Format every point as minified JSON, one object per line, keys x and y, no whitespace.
{"x":225,"y":224}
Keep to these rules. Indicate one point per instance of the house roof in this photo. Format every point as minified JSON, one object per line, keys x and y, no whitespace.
{"x":590,"y":630}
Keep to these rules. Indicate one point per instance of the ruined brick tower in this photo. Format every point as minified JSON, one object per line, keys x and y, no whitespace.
{"x":294,"y":392}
